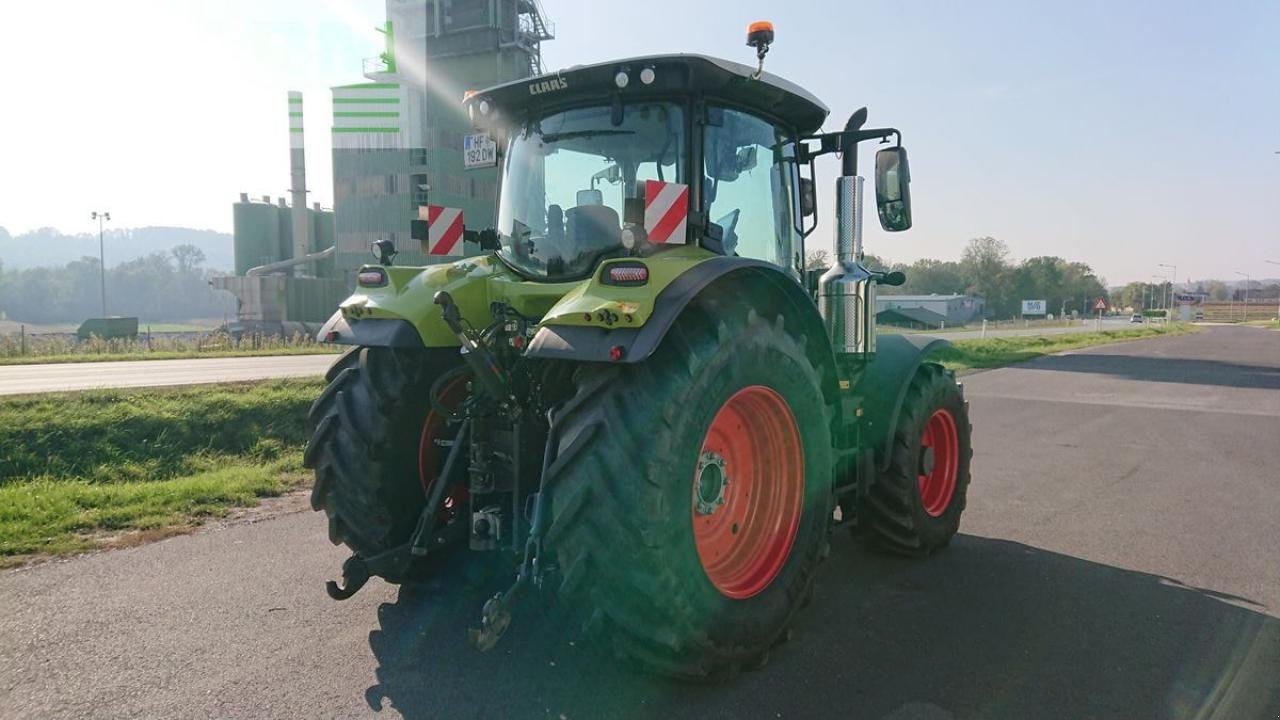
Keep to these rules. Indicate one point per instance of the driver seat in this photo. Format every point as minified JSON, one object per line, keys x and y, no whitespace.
{"x":591,"y":227}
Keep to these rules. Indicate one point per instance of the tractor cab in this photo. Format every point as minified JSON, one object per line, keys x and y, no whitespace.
{"x":632,"y":157}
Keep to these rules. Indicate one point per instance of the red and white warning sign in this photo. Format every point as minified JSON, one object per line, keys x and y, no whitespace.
{"x":1100,"y":305}
{"x":444,"y":230}
{"x":666,"y":211}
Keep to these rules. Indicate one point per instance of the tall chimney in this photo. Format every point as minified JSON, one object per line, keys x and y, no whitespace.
{"x":298,"y":182}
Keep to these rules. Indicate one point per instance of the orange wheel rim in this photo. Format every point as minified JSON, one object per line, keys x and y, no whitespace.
{"x":939,"y":462}
{"x":428,"y":452}
{"x":748,"y":492}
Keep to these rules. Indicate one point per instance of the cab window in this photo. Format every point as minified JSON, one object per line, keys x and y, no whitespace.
{"x":748,"y":188}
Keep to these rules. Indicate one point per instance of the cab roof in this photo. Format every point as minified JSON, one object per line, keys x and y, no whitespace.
{"x":674,"y":75}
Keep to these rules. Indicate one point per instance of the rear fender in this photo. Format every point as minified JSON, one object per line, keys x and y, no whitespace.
{"x":568,"y":334}
{"x":402,"y":311}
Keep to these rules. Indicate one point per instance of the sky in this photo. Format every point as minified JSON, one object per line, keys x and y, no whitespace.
{"x":1124,"y":135}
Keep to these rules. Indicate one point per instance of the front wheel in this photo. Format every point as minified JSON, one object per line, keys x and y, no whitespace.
{"x":915,"y":506}
{"x":691,"y":495}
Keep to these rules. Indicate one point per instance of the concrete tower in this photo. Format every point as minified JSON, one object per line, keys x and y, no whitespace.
{"x":398,"y":137}
{"x":298,"y":183}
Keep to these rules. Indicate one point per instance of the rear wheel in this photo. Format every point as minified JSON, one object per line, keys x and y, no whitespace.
{"x":373,"y":445}
{"x":915,"y":506}
{"x":691,"y":494}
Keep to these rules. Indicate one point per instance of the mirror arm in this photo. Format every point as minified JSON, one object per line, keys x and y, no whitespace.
{"x":834,"y":142}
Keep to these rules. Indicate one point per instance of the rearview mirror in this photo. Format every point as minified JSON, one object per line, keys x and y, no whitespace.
{"x":893,"y":189}
{"x":808,"y":201}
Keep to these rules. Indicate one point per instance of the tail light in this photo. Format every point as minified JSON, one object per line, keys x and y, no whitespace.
{"x":627,"y":274}
{"x":371,"y":277}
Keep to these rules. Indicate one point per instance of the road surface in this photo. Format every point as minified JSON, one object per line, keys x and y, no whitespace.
{"x":19,"y":379}
{"x":1118,"y":558}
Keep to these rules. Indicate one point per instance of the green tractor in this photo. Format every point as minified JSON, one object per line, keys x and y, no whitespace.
{"x":638,"y":398}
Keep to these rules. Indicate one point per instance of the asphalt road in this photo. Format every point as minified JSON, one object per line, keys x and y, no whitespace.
{"x":19,"y":379}
{"x":1120,"y":557}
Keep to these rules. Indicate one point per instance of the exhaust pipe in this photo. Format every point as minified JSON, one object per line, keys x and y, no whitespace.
{"x":847,"y":292}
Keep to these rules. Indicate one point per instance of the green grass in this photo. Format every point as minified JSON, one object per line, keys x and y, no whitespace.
{"x":1001,"y":351}
{"x":80,"y":467}
{"x":16,"y":350}
{"x":167,"y":355}
{"x":51,"y":517}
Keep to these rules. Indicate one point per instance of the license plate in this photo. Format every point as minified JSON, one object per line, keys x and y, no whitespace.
{"x":479,"y":151}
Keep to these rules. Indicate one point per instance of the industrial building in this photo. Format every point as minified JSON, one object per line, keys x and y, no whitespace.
{"x":952,"y":310}
{"x":396,"y":138}
{"x":285,"y":280}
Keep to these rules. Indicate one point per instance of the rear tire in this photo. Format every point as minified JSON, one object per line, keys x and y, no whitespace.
{"x":627,"y":528}
{"x":915,"y":506}
{"x":365,"y":444}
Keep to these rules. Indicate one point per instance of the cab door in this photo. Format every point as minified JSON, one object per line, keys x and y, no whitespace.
{"x":749,"y":187}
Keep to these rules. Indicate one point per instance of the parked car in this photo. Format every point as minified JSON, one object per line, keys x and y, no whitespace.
{"x":1136,"y":318}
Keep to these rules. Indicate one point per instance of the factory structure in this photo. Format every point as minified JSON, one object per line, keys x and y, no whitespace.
{"x":396,"y":137}
{"x":924,"y":312}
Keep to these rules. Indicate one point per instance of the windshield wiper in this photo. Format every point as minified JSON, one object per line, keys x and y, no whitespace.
{"x":557,"y":137}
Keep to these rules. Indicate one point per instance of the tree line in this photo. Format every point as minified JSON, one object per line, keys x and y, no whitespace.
{"x":157,"y":287}
{"x":986,"y":270}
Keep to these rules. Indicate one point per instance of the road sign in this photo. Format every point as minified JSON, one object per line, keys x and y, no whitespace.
{"x":1034,"y":307}
{"x":1100,"y":305}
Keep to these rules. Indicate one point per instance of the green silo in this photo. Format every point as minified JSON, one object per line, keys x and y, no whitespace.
{"x":322,"y":238}
{"x":284,"y":219}
{"x":257,"y":234}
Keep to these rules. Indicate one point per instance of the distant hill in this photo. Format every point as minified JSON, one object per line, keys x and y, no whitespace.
{"x":50,"y":247}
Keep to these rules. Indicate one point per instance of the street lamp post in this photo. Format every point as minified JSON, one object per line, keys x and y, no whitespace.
{"x":1175,"y":279}
{"x":101,"y":217}
{"x":1246,"y":293}
{"x":1274,"y":262}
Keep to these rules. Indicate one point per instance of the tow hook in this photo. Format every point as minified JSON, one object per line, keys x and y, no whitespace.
{"x":495,"y":618}
{"x":355,"y":573}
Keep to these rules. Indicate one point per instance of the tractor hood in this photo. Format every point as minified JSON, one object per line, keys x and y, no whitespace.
{"x":672,"y":75}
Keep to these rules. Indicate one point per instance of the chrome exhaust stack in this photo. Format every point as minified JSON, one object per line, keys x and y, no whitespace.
{"x":847,"y":292}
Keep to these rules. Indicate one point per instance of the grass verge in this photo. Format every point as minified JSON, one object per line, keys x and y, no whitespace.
{"x":80,"y":469}
{"x":166,"y":355}
{"x":998,"y":352}
{"x":20,"y":350}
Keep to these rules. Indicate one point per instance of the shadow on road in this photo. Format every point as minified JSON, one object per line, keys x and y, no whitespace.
{"x":1163,"y":369}
{"x":987,"y":628}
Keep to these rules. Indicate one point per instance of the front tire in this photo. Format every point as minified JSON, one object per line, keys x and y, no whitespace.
{"x":691,"y":494}
{"x":915,"y":506}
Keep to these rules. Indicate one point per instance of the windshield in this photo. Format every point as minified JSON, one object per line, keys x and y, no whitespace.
{"x":568,"y":177}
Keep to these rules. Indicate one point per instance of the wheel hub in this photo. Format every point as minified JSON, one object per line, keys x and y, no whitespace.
{"x":926,"y":461}
{"x":711,"y":483}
